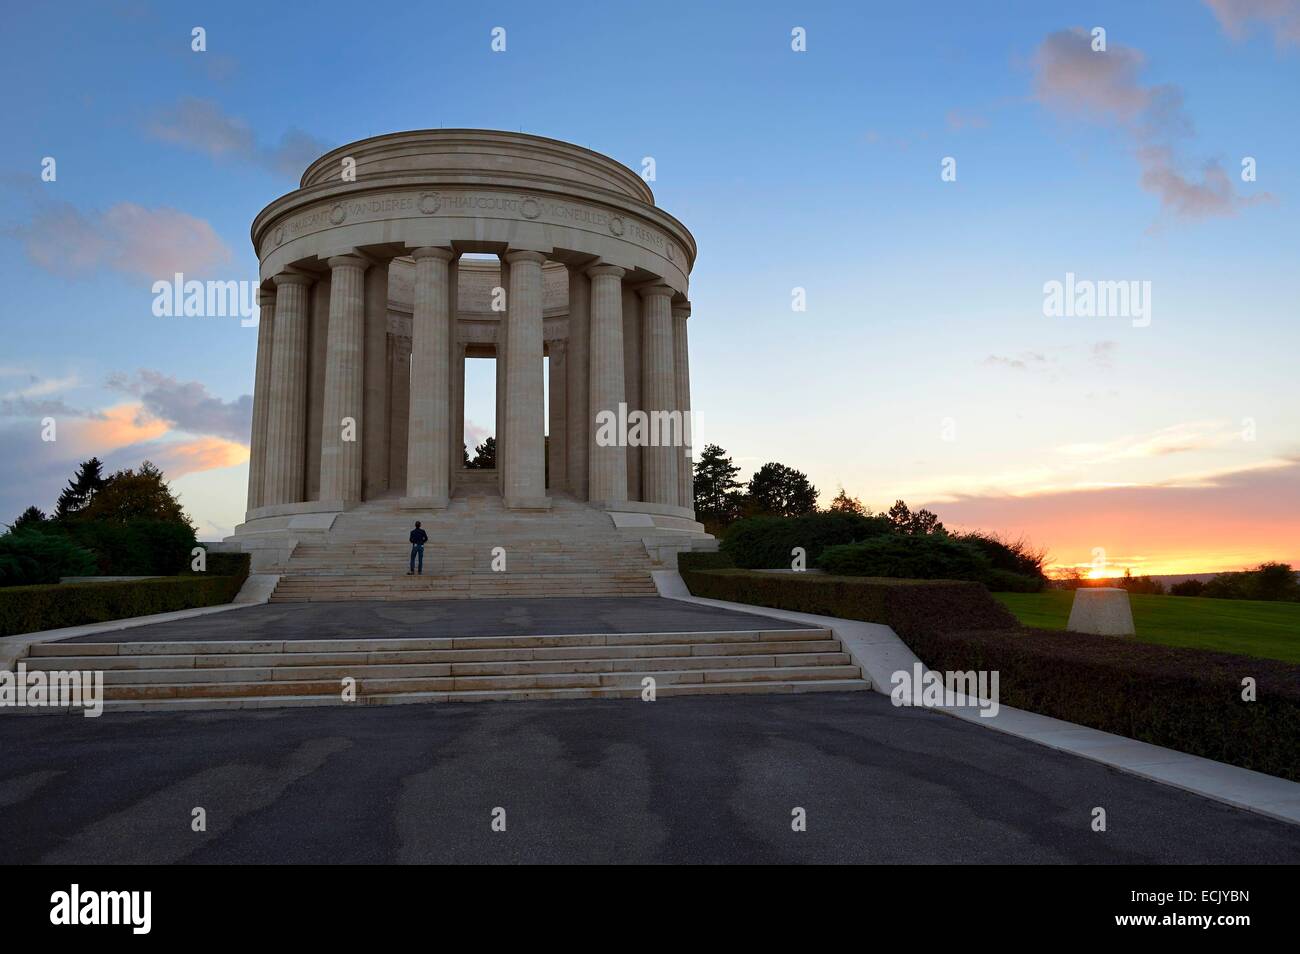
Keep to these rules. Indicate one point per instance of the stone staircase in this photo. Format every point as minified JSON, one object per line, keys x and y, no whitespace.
{"x":570,"y":550}
{"x":241,"y":674}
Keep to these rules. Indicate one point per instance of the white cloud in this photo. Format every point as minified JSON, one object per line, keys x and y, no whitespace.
{"x":1280,"y":17}
{"x":127,"y":237}
{"x":1104,"y":86}
{"x":202,"y":125}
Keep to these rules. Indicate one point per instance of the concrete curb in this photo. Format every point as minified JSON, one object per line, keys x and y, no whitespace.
{"x":257,"y":589}
{"x":879,"y":651}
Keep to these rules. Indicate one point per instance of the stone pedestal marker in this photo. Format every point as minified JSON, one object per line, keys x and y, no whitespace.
{"x":1101,"y":611}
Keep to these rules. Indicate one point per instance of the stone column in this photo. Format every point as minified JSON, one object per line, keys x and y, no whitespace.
{"x":317,"y":340}
{"x":399,"y":408}
{"x":426,"y":452}
{"x":682,"y":370}
{"x":557,"y":457}
{"x":525,"y":392}
{"x":374,"y":430}
{"x":343,"y":429}
{"x":607,"y":463}
{"x":503,"y":364}
{"x":577,"y":403}
{"x":458,"y":410}
{"x":632,"y":385}
{"x":455,"y":378}
{"x":658,"y":397}
{"x":261,"y":399}
{"x":286,"y":423}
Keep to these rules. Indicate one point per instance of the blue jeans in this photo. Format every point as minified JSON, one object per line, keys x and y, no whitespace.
{"x":417,"y":549}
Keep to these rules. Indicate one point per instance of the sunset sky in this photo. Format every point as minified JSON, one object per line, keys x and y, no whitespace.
{"x":924,"y":366}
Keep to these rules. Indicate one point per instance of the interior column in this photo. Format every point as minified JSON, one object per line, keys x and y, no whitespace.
{"x":317,"y":341}
{"x":557,"y":455}
{"x":399,"y":408}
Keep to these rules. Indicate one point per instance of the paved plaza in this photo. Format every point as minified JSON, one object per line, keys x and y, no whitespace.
{"x":679,"y":780}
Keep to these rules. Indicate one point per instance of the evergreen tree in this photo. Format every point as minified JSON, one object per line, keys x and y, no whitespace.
{"x":782,"y":491}
{"x":29,"y":519}
{"x":715,"y":484}
{"x":485,"y":455}
{"x":81,"y":489}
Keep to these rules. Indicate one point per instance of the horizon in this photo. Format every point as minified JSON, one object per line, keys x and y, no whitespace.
{"x":955,"y":350}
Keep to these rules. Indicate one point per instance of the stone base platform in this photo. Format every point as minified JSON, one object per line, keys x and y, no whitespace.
{"x":479,"y":547}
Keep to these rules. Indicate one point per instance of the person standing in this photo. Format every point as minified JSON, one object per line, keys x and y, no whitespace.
{"x":418,"y":539}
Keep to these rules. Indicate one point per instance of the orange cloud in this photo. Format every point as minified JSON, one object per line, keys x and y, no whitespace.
{"x":118,"y":426}
{"x":206,"y":453}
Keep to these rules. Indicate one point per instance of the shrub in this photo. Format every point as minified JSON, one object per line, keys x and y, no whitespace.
{"x":1268,"y":581}
{"x":1015,"y":557}
{"x":930,"y":557}
{"x":764,"y":543}
{"x":1188,"y":588}
{"x":30,"y":557}
{"x":906,"y":605}
{"x":1185,"y":699}
{"x":26,"y":609}
{"x":1004,"y":581}
{"x":136,"y":547}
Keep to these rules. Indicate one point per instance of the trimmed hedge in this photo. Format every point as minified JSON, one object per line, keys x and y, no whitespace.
{"x":26,"y":609}
{"x":222,"y":564}
{"x":764,"y":543}
{"x":906,"y":605}
{"x":1184,"y":699}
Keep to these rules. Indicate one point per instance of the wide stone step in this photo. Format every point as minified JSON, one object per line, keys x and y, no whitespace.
{"x":644,"y":662}
{"x":493,"y":695}
{"x":387,"y":685}
{"x":356,"y":660}
{"x":406,"y":644}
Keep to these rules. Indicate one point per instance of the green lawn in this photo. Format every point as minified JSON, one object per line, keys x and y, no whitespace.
{"x":1250,"y":627}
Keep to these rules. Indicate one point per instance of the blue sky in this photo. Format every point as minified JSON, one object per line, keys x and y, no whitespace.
{"x":817,"y":170}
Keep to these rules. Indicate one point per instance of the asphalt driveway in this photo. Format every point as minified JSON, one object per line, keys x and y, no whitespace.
{"x":679,"y":780}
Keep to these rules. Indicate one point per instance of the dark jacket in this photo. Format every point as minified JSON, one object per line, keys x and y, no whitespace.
{"x":419,"y":536}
